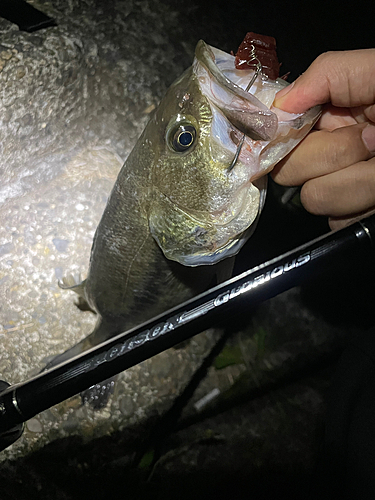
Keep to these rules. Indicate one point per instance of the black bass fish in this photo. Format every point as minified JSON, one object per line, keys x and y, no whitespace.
{"x":181,"y":204}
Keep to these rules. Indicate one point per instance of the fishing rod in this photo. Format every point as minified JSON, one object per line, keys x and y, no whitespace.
{"x":20,"y":402}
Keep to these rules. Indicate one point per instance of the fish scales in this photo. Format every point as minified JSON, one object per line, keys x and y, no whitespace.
{"x":177,"y":213}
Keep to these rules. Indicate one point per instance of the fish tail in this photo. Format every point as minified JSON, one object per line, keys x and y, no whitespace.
{"x":69,"y":353}
{"x":96,"y":396}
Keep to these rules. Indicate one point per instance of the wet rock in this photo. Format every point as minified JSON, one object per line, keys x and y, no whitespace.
{"x":60,"y":245}
{"x":34,"y":425}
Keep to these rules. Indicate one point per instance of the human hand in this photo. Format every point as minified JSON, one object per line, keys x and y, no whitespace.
{"x":335,"y":163}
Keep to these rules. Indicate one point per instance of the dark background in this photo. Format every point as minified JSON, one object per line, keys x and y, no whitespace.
{"x":302,"y":29}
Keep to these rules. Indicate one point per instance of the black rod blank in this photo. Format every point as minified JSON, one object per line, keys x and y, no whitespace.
{"x":20,"y":402}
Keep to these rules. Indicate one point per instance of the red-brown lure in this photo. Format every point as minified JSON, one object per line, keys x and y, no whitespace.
{"x":265,"y":50}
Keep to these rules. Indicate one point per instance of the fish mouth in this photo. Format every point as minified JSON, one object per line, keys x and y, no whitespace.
{"x":244,"y":121}
{"x":200,"y":238}
{"x":225,"y":86}
{"x":268,"y":133}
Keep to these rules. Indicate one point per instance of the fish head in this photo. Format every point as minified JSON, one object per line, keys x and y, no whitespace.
{"x":205,"y":202}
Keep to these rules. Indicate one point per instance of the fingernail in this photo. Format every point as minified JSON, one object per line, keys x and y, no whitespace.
{"x":281,"y":94}
{"x":368,"y":137}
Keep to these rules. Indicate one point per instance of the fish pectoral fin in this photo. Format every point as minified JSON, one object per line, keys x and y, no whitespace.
{"x":83,"y":305}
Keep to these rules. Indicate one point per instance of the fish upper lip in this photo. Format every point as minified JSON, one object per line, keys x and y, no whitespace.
{"x":245,"y":111}
{"x":206,"y":57}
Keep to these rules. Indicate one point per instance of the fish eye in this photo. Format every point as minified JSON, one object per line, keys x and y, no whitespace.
{"x":183,"y":138}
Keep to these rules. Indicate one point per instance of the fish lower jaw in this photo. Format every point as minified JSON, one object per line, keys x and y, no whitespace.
{"x":214,"y":243}
{"x":214,"y":254}
{"x":196,"y":238}
{"x":232,"y":210}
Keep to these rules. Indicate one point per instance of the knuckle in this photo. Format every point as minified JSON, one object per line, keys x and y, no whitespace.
{"x":341,"y":147}
{"x":324,"y":59}
{"x":312,"y":199}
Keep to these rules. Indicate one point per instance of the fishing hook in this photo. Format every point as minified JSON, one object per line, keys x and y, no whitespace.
{"x":258,"y":70}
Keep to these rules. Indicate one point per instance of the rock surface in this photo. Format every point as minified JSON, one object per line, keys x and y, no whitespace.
{"x":73,"y":100}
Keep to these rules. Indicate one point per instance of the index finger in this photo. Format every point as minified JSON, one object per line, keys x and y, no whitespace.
{"x":346,"y":79}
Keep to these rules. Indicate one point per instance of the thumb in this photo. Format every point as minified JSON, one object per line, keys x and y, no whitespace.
{"x":346,"y":79}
